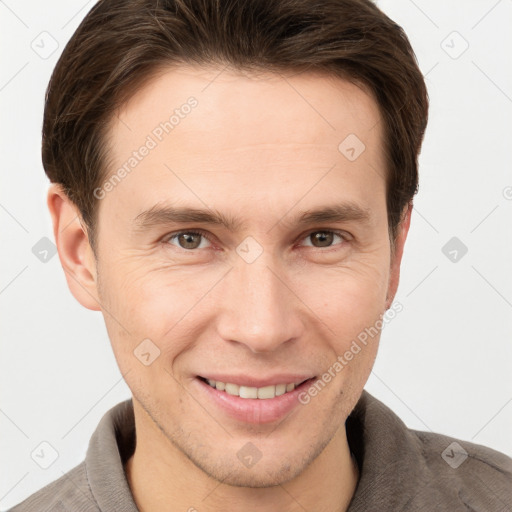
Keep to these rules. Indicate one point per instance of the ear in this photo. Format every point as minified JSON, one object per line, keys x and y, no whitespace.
{"x":75,"y":253}
{"x":396,"y":254}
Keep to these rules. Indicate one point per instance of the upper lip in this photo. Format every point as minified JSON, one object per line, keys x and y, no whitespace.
{"x":258,"y":382}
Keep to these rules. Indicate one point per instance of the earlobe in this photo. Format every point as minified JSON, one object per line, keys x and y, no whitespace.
{"x":75,"y":253}
{"x":396,"y":256}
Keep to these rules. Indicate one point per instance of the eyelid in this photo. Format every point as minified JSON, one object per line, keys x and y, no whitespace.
{"x":196,"y":231}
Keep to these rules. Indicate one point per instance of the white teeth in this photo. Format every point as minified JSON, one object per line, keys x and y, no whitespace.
{"x":247,"y":392}
{"x":233,"y":389}
{"x":267,"y":392}
{"x":252,"y":392}
{"x":280,"y":389}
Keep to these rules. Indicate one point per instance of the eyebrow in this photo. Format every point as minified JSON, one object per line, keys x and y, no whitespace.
{"x":161,"y":215}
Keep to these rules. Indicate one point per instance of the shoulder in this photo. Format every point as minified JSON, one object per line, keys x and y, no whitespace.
{"x":69,"y":492}
{"x":408,"y":469}
{"x":481,"y":476}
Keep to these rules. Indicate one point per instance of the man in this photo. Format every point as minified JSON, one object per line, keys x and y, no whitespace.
{"x":232,"y":186}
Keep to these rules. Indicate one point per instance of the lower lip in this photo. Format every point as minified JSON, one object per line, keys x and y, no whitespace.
{"x":254,"y":410}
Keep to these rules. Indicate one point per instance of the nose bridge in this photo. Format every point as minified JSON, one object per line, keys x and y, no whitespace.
{"x":258,"y":309}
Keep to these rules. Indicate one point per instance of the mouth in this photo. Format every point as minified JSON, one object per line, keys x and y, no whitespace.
{"x":253,"y":392}
{"x":253,"y":400}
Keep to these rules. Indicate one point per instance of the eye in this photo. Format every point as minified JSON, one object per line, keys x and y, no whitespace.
{"x":324,"y":238}
{"x":191,"y":240}
{"x":188,"y":240}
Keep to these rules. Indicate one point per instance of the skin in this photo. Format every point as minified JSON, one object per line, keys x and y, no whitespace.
{"x":262,"y":149}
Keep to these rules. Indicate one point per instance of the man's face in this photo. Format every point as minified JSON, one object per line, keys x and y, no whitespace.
{"x":269,"y":300}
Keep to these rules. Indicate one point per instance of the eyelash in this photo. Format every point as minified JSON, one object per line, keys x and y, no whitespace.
{"x":344,"y":236}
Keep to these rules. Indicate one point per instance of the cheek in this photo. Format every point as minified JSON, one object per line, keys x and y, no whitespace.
{"x":154,"y":303}
{"x":348,"y":298}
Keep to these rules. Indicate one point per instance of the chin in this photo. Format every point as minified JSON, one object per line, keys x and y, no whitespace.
{"x":269,"y":475}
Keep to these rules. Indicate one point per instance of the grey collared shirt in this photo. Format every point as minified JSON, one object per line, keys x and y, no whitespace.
{"x":400,"y":469}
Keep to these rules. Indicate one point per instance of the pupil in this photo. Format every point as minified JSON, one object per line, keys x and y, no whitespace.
{"x":323,"y":238}
{"x":188,"y":239}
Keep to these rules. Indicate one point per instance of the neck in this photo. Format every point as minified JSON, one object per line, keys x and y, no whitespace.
{"x":160,"y":478}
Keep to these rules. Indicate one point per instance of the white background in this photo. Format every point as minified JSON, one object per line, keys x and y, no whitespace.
{"x":444,"y":363}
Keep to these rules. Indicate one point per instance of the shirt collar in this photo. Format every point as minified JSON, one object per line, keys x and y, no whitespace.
{"x":387,"y":453}
{"x":389,"y":456}
{"x":111,"y":445}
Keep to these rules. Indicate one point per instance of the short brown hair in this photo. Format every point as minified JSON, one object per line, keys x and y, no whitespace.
{"x":122,"y":43}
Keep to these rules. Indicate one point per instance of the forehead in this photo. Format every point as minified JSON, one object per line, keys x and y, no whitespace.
{"x":323,"y":106}
{"x":217,"y":134}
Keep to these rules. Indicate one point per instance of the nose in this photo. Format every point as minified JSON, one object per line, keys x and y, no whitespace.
{"x":258,"y":307}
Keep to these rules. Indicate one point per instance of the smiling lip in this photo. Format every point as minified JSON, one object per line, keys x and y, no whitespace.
{"x":253,"y":410}
{"x":258,"y":382}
